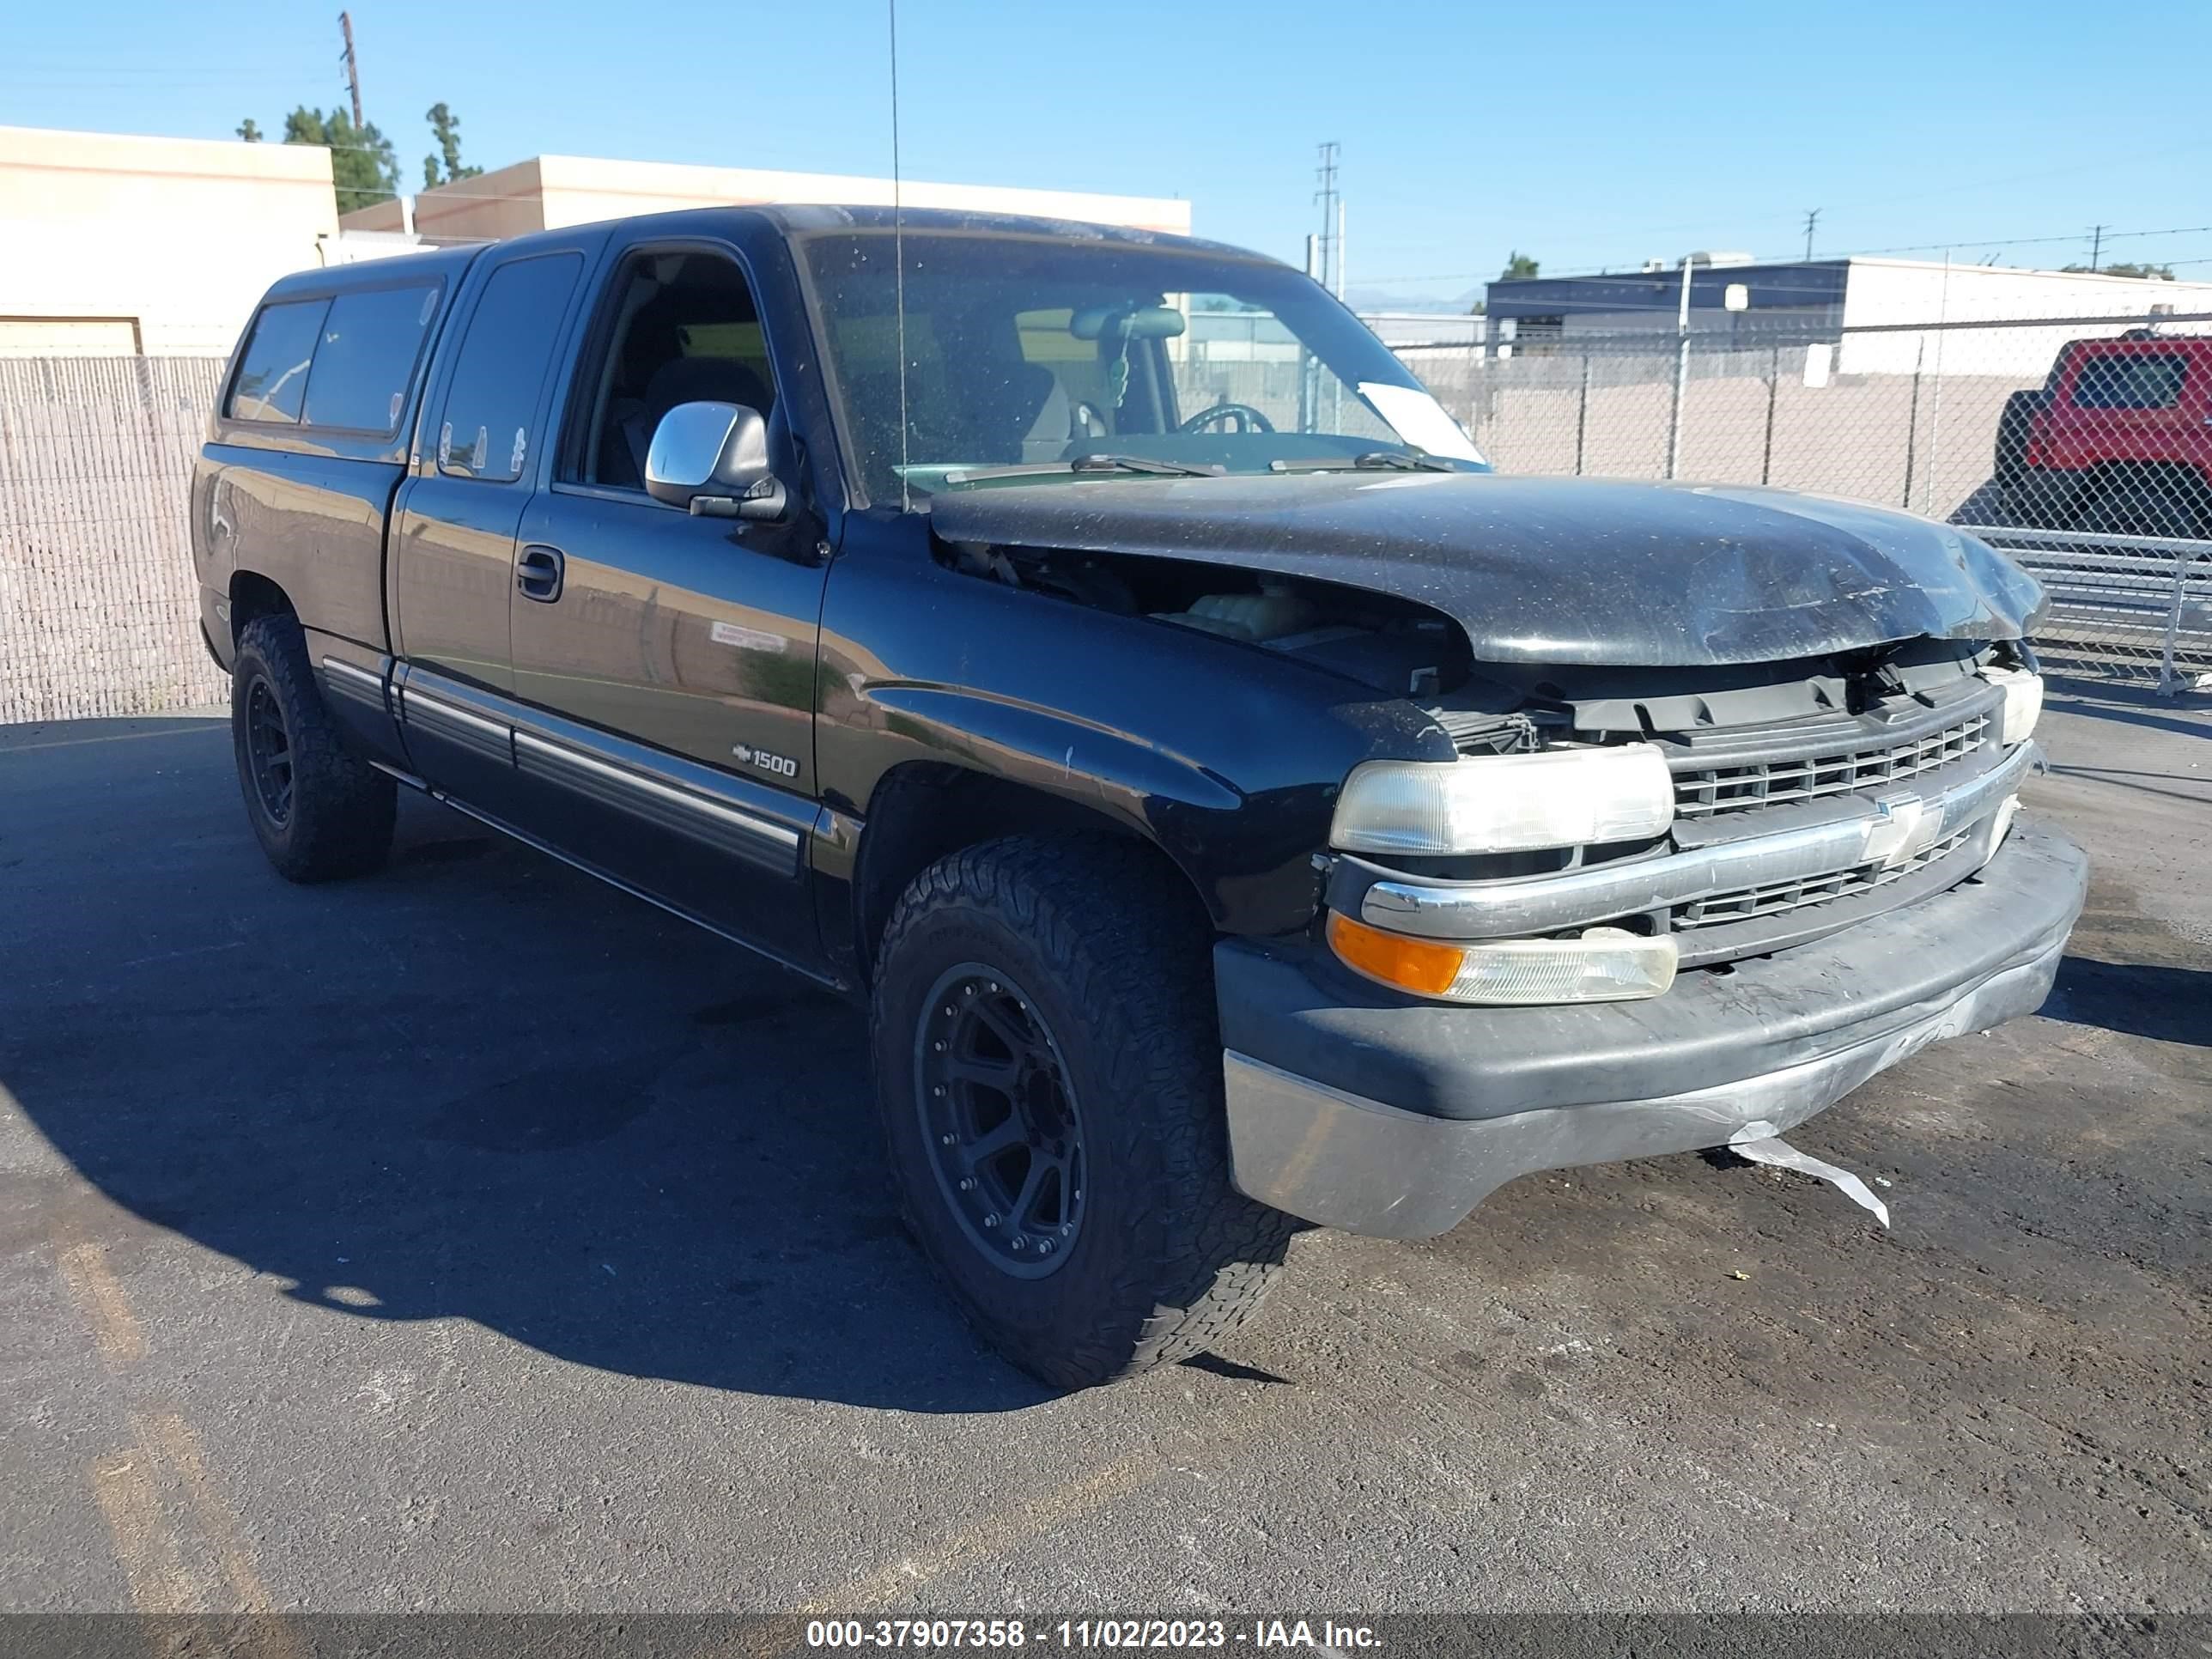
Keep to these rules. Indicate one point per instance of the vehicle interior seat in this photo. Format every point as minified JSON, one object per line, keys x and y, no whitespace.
{"x":1009,"y":408}
{"x":688,"y":380}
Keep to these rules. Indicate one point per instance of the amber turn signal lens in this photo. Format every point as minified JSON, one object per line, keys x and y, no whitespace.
{"x":1604,"y":964}
{"x":1413,"y":965}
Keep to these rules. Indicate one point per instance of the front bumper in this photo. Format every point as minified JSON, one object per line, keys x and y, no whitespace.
{"x":1376,"y":1114}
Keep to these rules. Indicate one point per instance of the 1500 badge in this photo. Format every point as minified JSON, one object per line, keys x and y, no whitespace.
{"x":781,"y":766}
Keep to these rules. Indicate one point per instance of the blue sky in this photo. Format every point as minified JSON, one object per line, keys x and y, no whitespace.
{"x":1588,"y":134}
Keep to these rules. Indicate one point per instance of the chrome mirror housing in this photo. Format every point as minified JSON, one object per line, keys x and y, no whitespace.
{"x":712,"y":459}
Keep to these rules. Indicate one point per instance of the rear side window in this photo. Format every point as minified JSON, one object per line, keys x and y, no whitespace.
{"x":485,"y":431}
{"x":2133,"y":380}
{"x":366,"y":356}
{"x":272,"y":371}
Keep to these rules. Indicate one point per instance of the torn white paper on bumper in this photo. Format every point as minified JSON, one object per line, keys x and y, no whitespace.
{"x":1758,"y":1142}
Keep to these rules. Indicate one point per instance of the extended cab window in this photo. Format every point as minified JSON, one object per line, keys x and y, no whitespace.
{"x":2130,"y":380}
{"x":272,"y":370}
{"x":370,"y":340}
{"x":680,"y":328}
{"x":485,"y":431}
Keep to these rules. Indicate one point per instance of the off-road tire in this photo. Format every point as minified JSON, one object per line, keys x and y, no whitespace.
{"x":339,"y":817}
{"x":1168,"y":1258}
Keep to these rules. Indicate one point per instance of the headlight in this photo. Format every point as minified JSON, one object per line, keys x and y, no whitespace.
{"x":1606,"y":964}
{"x":1506,"y":803}
{"x":2023,"y":701}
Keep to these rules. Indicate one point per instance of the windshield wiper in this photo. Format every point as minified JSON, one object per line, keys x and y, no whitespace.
{"x":1095,"y":462}
{"x":1373,"y":460}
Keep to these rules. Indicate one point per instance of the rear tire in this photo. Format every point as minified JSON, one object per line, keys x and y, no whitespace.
{"x":1062,"y":970}
{"x":320,"y":812}
{"x":2016,"y":425}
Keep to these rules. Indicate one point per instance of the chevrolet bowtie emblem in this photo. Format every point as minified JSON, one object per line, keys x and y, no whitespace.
{"x":1902,"y":828}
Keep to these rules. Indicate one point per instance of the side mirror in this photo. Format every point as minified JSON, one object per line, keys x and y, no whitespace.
{"x":712,"y":459}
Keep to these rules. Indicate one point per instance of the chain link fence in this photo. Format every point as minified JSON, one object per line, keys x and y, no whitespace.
{"x":2082,"y":447}
{"x":99,"y":615}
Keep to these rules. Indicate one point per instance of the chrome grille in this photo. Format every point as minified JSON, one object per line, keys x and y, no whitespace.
{"x":1703,"y":792}
{"x":1778,"y":898}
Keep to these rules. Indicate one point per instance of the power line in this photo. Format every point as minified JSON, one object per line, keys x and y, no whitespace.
{"x":1598,"y":272}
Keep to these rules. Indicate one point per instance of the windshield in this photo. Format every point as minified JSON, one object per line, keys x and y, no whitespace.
{"x":1031,"y":359}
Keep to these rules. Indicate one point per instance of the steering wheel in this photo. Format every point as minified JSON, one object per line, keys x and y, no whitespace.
{"x":1247,"y":419}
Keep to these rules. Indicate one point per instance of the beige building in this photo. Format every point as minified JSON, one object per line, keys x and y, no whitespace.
{"x":112,"y":244}
{"x":548,"y":191}
{"x":116,"y":245}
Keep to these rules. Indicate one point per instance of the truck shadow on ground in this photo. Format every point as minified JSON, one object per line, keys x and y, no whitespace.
{"x":481,"y":1087}
{"x":2165,"y":1004}
{"x":476,"y":1085}
{"x":2185,"y":713}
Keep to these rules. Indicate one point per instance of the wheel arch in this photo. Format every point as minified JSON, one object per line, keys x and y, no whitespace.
{"x":253,"y":596}
{"x":923,"y":810}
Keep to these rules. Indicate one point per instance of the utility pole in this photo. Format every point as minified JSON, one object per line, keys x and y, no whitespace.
{"x":1811,"y":219}
{"x":1681,"y":373}
{"x":1332,"y":258}
{"x":2096,"y":245}
{"x":1339,"y":248}
{"x":1309,"y":365}
{"x":353,"y":68}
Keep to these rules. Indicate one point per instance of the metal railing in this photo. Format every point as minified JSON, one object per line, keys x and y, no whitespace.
{"x":2130,"y":605}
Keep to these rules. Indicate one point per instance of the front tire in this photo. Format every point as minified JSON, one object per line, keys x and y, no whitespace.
{"x":320,"y":812}
{"x":1048,"y":1073}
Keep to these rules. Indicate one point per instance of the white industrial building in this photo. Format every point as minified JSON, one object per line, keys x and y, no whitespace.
{"x":1885,"y":316}
{"x":549,"y":191}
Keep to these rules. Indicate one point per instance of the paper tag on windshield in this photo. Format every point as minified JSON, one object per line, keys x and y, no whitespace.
{"x":1420,"y":420}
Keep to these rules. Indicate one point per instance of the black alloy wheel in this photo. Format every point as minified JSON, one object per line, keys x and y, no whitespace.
{"x":319,"y":809}
{"x":1050,"y":1080}
{"x":1000,"y":1119}
{"x":269,"y":751}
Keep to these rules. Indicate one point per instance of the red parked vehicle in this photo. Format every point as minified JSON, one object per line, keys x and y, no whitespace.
{"x":2118,"y":440}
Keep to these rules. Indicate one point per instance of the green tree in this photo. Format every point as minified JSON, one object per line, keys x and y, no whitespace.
{"x":363,"y":170}
{"x":446,"y":127}
{"x":1517,"y":264}
{"x":2158,"y":273}
{"x":249,"y":131}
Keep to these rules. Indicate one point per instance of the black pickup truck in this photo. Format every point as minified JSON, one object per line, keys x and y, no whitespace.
{"x":1239,"y":807}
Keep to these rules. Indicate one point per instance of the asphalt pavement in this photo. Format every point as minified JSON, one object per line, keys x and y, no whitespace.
{"x":474,"y":1237}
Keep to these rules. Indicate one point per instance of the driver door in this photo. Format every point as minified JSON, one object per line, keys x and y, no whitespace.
{"x":664,"y":662}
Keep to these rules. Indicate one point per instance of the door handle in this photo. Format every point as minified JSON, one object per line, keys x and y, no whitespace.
{"x":537,"y":572}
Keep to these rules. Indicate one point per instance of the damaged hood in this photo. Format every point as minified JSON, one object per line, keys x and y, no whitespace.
{"x":1550,"y":570}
